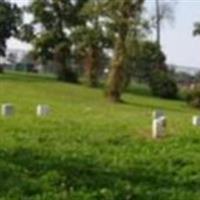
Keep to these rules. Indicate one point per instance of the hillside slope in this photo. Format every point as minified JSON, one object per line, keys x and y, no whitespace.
{"x":91,"y":149}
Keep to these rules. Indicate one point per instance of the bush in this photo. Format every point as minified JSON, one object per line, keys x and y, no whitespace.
{"x":162,"y":85}
{"x":67,"y":75}
{"x":193,"y":97}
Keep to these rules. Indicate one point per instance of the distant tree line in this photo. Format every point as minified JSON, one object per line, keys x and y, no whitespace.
{"x":85,"y":32}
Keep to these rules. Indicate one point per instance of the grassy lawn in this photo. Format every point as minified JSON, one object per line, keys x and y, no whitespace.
{"x":89,"y":149}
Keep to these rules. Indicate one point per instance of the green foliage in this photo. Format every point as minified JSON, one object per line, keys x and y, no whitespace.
{"x":196,"y":30}
{"x":10,"y":18}
{"x":26,"y":33}
{"x":54,"y":14}
{"x":45,"y":44}
{"x":146,"y":58}
{"x":90,"y":39}
{"x":162,"y":85}
{"x":50,"y":28}
{"x":149,"y":67}
{"x":90,"y":149}
{"x":89,"y":47}
{"x":123,"y":17}
{"x":193,"y":97}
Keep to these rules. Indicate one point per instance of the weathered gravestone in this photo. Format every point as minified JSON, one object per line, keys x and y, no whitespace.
{"x":7,"y":110}
{"x":196,"y":121}
{"x":43,"y":110}
{"x":159,"y":127}
{"x":157,"y":114}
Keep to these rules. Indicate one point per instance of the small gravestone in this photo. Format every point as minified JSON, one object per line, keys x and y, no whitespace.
{"x":7,"y":110}
{"x":157,"y":114}
{"x":196,"y":121}
{"x":192,"y":86}
{"x":158,"y":127}
{"x":42,"y":110}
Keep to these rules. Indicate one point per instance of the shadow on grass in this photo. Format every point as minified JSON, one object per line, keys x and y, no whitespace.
{"x":154,"y":107}
{"x":27,"y":174}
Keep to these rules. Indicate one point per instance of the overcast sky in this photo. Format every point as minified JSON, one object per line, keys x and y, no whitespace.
{"x":178,"y":42}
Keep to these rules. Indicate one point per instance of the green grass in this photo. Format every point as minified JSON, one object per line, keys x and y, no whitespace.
{"x":90,"y":149}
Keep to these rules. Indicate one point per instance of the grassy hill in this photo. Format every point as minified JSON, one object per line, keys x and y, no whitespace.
{"x":90,"y":149}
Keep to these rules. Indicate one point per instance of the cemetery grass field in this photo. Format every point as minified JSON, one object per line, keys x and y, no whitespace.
{"x":90,"y":149}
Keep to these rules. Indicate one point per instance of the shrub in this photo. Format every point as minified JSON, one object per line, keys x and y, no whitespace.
{"x":193,"y":97}
{"x":162,"y":85}
{"x":67,"y":75}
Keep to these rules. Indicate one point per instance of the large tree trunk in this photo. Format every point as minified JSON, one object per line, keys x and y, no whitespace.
{"x":117,"y":74}
{"x":92,"y":66}
{"x":64,"y":72}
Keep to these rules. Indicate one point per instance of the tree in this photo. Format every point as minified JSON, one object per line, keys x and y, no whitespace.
{"x":158,"y":20}
{"x":196,"y":30}
{"x":50,"y":30}
{"x":90,"y":40}
{"x":10,"y":18}
{"x":147,"y":59}
{"x":88,"y":47}
{"x":164,"y":11}
{"x":163,"y":85}
{"x":123,"y":16}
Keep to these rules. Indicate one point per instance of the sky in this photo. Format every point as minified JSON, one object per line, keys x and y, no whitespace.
{"x":178,"y":43}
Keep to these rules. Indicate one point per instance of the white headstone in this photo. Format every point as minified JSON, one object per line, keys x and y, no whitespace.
{"x":196,"y":120}
{"x":157,"y":114}
{"x":7,"y":110}
{"x":158,"y":127}
{"x":42,"y":110}
{"x":192,"y":86}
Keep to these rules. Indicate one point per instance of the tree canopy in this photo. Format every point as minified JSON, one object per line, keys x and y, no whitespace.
{"x":10,"y":18}
{"x":196,"y":30}
{"x":69,"y":31}
{"x":51,"y":27}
